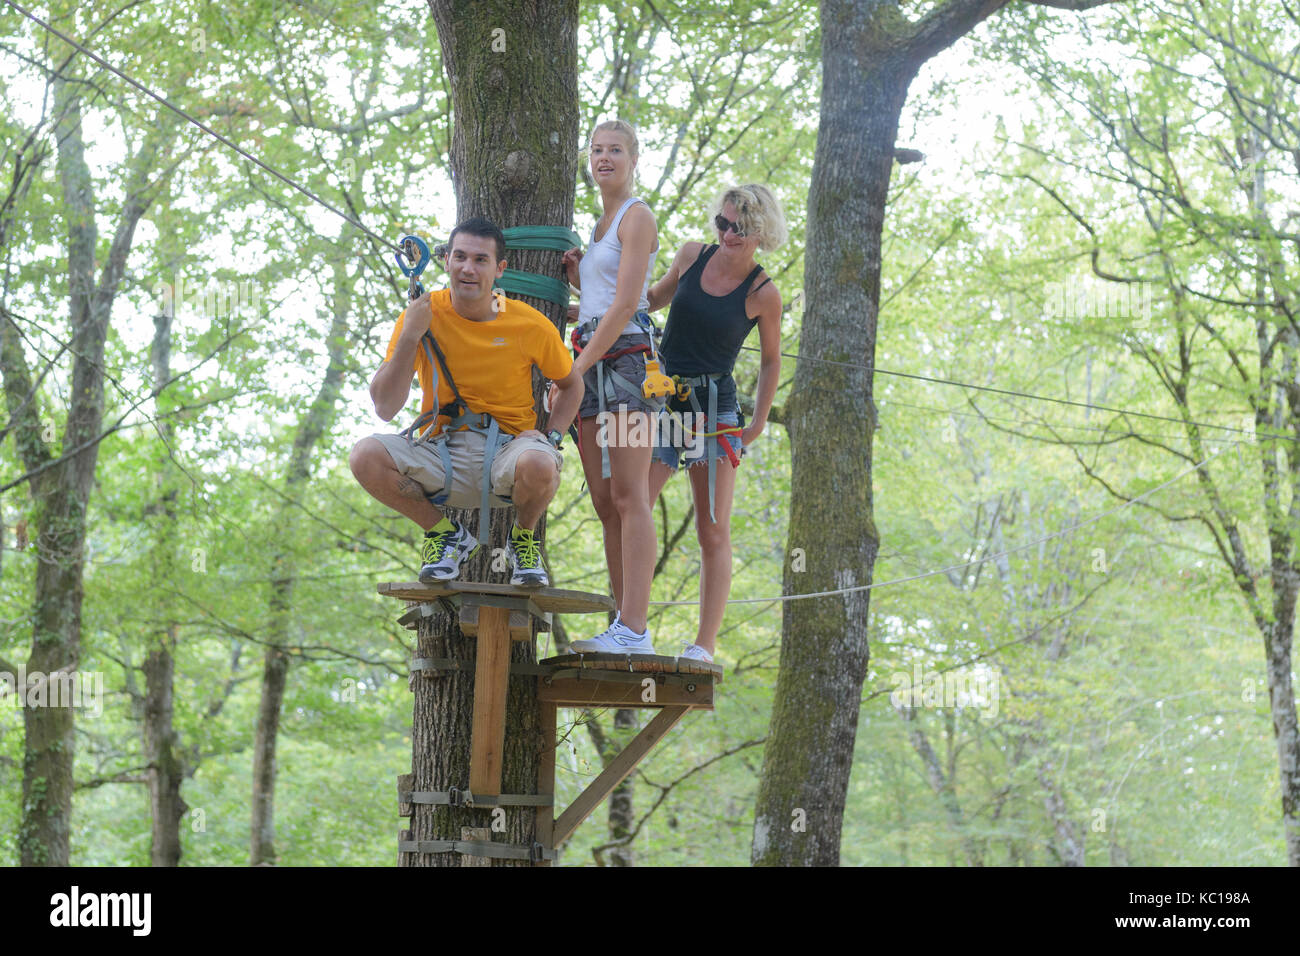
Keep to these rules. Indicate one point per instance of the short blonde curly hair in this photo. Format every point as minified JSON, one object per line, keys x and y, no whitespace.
{"x":759,"y":213}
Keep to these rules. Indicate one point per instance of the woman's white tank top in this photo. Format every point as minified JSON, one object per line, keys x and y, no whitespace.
{"x":599,"y":272}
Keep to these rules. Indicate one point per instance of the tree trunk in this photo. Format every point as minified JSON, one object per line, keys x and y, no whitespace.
{"x":61,"y":493}
{"x":275,"y":672}
{"x":870,"y":54}
{"x":1278,"y":634}
{"x":166,"y":769}
{"x":512,"y":72}
{"x":622,"y":814}
{"x":162,"y":752}
{"x":831,"y":419}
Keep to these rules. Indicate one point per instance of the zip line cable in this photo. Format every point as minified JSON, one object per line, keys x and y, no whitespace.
{"x":342,"y":215}
{"x":1014,"y":394}
{"x":958,"y":567}
{"x":203,"y":126}
{"x":922,"y":378}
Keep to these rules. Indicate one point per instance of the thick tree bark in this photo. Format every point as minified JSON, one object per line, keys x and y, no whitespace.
{"x":870,"y":54}
{"x":512,"y":72}
{"x":831,"y":419}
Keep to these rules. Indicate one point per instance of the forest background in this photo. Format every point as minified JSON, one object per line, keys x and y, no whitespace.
{"x":1101,"y":208}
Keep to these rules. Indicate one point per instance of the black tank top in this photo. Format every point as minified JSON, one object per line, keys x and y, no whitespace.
{"x":704,"y":332}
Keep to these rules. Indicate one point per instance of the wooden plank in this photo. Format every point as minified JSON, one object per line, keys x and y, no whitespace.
{"x":475,"y":833}
{"x":519,"y":624}
{"x":618,"y":768}
{"x":491,"y":673}
{"x":556,"y":600}
{"x":546,"y":778}
{"x":593,"y":692}
{"x":637,"y":663}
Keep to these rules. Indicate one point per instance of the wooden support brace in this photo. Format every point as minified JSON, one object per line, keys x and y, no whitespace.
{"x":491,"y":676}
{"x":618,"y":768}
{"x":520,"y":627}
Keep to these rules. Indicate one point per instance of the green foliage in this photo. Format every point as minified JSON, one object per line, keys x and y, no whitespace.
{"x":1125,"y":659}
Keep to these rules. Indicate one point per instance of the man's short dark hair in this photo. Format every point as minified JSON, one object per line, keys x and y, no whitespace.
{"x":485,"y":228}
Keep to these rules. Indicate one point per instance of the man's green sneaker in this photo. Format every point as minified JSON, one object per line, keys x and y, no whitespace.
{"x":444,"y":553}
{"x":526,"y":569}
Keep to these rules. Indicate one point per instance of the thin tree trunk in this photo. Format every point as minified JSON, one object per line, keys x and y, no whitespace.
{"x":161,"y":745}
{"x":275,"y":670}
{"x":166,"y":769}
{"x":512,"y":71}
{"x":61,"y":493}
{"x":622,"y":812}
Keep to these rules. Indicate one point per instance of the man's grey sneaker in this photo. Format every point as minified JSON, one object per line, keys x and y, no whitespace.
{"x":526,"y":560}
{"x":618,"y":638}
{"x":445,"y":552}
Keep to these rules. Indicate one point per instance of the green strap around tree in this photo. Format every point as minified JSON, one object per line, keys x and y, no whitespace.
{"x":546,"y":238}
{"x":549,"y":238}
{"x":554,"y":238}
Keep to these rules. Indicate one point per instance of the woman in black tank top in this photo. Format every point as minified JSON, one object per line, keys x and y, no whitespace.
{"x":719,"y":294}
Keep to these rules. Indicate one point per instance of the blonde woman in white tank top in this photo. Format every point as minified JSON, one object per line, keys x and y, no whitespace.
{"x":614,"y":280}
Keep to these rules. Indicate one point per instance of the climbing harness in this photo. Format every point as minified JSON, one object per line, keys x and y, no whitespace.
{"x":686,"y":386}
{"x":458,"y":413}
{"x":656,"y":388}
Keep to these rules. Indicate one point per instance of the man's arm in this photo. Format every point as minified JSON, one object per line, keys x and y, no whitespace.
{"x":565,"y":401}
{"x":391,"y":386}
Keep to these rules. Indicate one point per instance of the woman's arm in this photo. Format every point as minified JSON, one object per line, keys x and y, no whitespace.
{"x":638,"y":235}
{"x":661,"y":293}
{"x":769,"y":372}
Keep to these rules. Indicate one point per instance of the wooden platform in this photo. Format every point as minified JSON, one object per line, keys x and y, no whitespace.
{"x":633,"y":664}
{"x":627,"y":680}
{"x":496,"y":614}
{"x":554,"y":600}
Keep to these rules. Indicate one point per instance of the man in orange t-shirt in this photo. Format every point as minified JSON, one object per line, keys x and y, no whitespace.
{"x":490,"y":345}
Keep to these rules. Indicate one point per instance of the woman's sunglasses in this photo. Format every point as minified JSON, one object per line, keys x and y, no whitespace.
{"x":723,"y":224}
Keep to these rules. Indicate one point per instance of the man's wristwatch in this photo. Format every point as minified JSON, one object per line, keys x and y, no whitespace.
{"x":555,"y":437}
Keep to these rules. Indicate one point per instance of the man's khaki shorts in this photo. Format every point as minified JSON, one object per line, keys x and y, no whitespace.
{"x":419,"y":460}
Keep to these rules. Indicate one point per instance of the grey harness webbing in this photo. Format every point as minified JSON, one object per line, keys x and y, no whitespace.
{"x":463,"y":798}
{"x":483,"y":423}
{"x":711,"y":425}
{"x":643,"y":320}
{"x":501,"y":851}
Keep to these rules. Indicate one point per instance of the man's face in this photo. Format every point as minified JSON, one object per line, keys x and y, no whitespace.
{"x":473,"y":266}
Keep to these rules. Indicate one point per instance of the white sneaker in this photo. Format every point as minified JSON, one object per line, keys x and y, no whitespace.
{"x":694,"y":652}
{"x":618,"y":638}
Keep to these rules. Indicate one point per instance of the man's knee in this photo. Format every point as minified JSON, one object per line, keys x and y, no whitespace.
{"x":535,"y":472}
{"x":369,"y":459}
